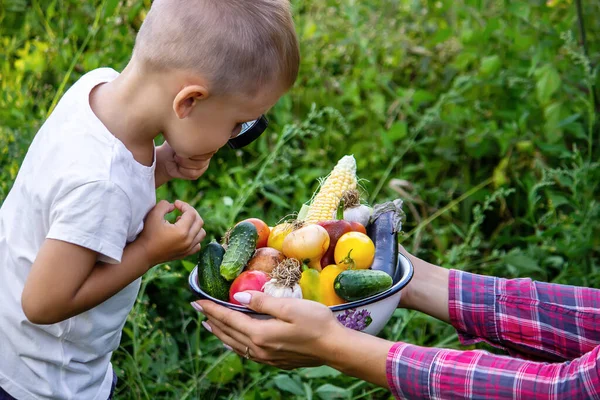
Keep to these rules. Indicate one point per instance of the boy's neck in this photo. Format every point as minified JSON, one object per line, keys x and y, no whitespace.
{"x":128,"y":107}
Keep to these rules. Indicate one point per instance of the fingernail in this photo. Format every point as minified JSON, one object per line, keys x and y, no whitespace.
{"x":197,"y":307}
{"x":242,"y":297}
{"x":206,"y":326}
{"x":227,"y":347}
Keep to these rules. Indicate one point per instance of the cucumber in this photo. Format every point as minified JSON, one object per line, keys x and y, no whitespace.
{"x":356,"y":284}
{"x":241,"y":246}
{"x":209,"y":276}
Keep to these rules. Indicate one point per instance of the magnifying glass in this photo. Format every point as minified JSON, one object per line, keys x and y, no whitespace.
{"x":250,"y":131}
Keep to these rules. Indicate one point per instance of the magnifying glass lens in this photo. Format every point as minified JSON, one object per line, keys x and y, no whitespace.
{"x":250,"y":131}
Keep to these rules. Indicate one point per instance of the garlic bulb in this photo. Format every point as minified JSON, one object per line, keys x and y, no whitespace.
{"x":284,"y":280}
{"x":360,"y":214}
{"x":353,"y":210}
{"x":275,"y":289}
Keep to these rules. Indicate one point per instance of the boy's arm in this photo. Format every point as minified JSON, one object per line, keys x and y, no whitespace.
{"x":65,"y":279}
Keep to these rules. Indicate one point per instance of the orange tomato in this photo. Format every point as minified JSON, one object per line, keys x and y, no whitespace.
{"x":263,"y":231}
{"x":354,"y":250}
{"x":358,"y":227}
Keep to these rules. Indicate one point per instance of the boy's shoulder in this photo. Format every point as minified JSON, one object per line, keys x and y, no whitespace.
{"x":74,"y":144}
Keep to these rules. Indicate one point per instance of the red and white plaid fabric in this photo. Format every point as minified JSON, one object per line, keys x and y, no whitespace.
{"x":552,"y":333}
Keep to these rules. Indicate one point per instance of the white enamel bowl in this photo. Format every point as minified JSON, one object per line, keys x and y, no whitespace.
{"x":368,"y":315}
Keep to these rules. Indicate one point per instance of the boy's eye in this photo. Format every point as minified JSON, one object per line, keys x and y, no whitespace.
{"x":236,"y":130}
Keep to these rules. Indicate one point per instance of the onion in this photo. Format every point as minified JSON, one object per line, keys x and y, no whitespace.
{"x":265,"y":259}
{"x":307,"y":244}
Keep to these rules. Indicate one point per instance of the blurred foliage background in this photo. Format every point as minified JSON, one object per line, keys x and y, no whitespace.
{"x":481,"y":114}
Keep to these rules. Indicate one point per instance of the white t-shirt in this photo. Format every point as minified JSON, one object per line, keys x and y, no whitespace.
{"x":78,"y":184}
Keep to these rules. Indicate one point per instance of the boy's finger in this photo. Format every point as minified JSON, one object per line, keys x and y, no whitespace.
{"x":193,"y":173}
{"x":188,"y":215}
{"x":199,"y":237}
{"x":197,"y":225}
{"x":193,"y":250}
{"x":163,"y":207}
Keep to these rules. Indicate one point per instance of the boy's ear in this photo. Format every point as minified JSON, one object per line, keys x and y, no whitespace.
{"x":187,"y":98}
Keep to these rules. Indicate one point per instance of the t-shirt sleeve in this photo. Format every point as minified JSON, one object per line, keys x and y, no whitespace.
{"x":96,"y":216}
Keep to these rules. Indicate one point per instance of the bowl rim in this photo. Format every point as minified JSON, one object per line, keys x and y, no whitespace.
{"x":404,"y":280}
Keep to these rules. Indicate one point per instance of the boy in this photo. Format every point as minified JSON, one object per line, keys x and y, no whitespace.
{"x":80,"y":226}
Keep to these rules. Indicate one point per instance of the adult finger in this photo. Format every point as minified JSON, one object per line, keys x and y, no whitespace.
{"x":234,"y":319}
{"x":217,"y":325}
{"x":279,"y":308}
{"x":234,"y":345}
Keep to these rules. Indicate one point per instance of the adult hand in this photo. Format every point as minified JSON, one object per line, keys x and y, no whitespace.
{"x":301,"y":334}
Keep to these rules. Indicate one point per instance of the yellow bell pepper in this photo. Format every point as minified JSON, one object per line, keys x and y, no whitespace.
{"x":328,"y":295}
{"x":310,"y":284}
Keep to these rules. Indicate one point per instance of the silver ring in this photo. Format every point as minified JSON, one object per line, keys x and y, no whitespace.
{"x":247,"y":353}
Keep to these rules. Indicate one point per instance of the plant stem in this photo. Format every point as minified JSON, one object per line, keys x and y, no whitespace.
{"x":583,"y":39}
{"x":92,"y":32}
{"x":446,"y":208}
{"x":581,"y":26}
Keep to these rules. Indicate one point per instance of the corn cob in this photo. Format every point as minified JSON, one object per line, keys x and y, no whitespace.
{"x":325,"y":203}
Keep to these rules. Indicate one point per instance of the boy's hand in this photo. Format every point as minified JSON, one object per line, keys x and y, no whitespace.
{"x":165,"y":241}
{"x":170,"y":166}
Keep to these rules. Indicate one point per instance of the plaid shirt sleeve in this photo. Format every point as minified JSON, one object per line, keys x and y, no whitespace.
{"x":415,"y":372}
{"x":533,"y":320}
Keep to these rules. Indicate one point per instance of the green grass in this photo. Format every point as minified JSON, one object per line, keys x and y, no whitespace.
{"x":479,"y":114}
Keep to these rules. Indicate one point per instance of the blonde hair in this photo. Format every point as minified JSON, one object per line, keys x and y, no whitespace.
{"x":238,"y":45}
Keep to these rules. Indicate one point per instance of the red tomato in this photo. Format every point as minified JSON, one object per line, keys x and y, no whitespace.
{"x":358,"y":227}
{"x":263,"y":231}
{"x":247,"y":280}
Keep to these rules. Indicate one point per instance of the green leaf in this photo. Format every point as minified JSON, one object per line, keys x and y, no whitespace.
{"x":310,"y":28}
{"x":276,"y":199}
{"x":490,"y":65}
{"x":548,"y":82}
{"x":522,"y":262}
{"x":552,"y":114}
{"x":377,"y":104}
{"x":421,"y":97}
{"x":328,"y":391}
{"x":110,"y":7}
{"x":558,"y":199}
{"x":287,"y":384}
{"x":189,"y":266}
{"x":226,"y":370}
{"x":320,"y":372}
{"x":520,"y":9}
{"x":397,"y":131}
